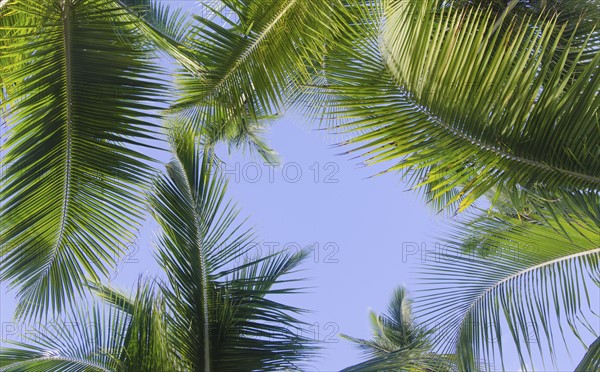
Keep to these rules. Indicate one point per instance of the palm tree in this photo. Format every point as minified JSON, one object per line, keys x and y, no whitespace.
{"x":208,"y":314}
{"x":81,"y":93}
{"x":473,"y":98}
{"x":398,"y":342}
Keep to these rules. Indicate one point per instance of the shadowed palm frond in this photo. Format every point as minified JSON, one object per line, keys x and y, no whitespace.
{"x":70,"y":192}
{"x":87,"y":341}
{"x":164,"y":27}
{"x":124,"y":334}
{"x":221,"y":316}
{"x":591,"y":359}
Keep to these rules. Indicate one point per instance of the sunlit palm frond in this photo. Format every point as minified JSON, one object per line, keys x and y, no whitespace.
{"x":500,"y":273}
{"x":71,"y":190}
{"x":466,"y":98}
{"x":253,"y":56}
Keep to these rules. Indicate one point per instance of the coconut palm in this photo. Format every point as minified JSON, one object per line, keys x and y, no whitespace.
{"x":81,"y":91}
{"x":471,"y":98}
{"x":467,"y":98}
{"x":399,"y":343}
{"x":206,"y":313}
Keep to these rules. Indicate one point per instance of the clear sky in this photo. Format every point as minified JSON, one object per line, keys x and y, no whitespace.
{"x":357,"y":225}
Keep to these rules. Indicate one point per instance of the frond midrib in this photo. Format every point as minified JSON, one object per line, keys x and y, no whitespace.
{"x":493,"y":149}
{"x":67,"y":11}
{"x":79,"y":361}
{"x":244,"y":56}
{"x":204,"y":274}
{"x":525,"y":271}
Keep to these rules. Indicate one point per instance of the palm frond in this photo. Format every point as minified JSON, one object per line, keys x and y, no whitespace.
{"x":145,"y":344}
{"x":252,"y":61}
{"x":398,"y":342}
{"x":221,"y":315}
{"x":70,"y":192}
{"x":591,"y":359}
{"x":466,"y":98}
{"x":501,"y":273}
{"x":89,"y":341}
{"x":164,"y":27}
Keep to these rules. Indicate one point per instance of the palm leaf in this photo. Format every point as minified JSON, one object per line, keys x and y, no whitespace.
{"x":71,"y":188}
{"x":398,"y":342}
{"x":466,"y":98}
{"x":501,"y":273}
{"x":591,"y":359}
{"x":252,"y":58}
{"x":86,"y":342}
{"x":145,"y":345}
{"x":221,"y":317}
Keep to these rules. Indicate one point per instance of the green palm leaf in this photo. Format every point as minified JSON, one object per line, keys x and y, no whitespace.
{"x":87,"y":341}
{"x":398,"y":342}
{"x":591,"y":359}
{"x":252,"y":58}
{"x":220,"y":315}
{"x":466,"y":98}
{"x":71,"y":188}
{"x":500,"y":273}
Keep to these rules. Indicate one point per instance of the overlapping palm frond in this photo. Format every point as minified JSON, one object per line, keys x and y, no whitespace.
{"x":466,"y":98}
{"x":221,"y":315}
{"x":591,"y":359}
{"x":398,"y":342}
{"x":252,"y":57}
{"x":210,"y":313}
{"x":502,"y":273}
{"x":123,"y":334}
{"x":144,"y":343}
{"x":70,"y":191}
{"x":167,"y":28}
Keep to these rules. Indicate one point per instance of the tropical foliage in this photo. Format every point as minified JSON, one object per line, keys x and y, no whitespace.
{"x":399,"y":343}
{"x":477,"y":100}
{"x":209,"y":313}
{"x":474,"y":99}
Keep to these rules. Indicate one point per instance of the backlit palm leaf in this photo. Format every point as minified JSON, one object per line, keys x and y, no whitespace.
{"x":467,"y":98}
{"x":70,"y":191}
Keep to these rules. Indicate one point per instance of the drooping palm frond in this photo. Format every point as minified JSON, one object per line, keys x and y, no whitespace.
{"x":70,"y":191}
{"x":221,"y":317}
{"x":467,"y":98}
{"x":398,"y":342}
{"x":253,"y":56}
{"x":501,"y":273}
